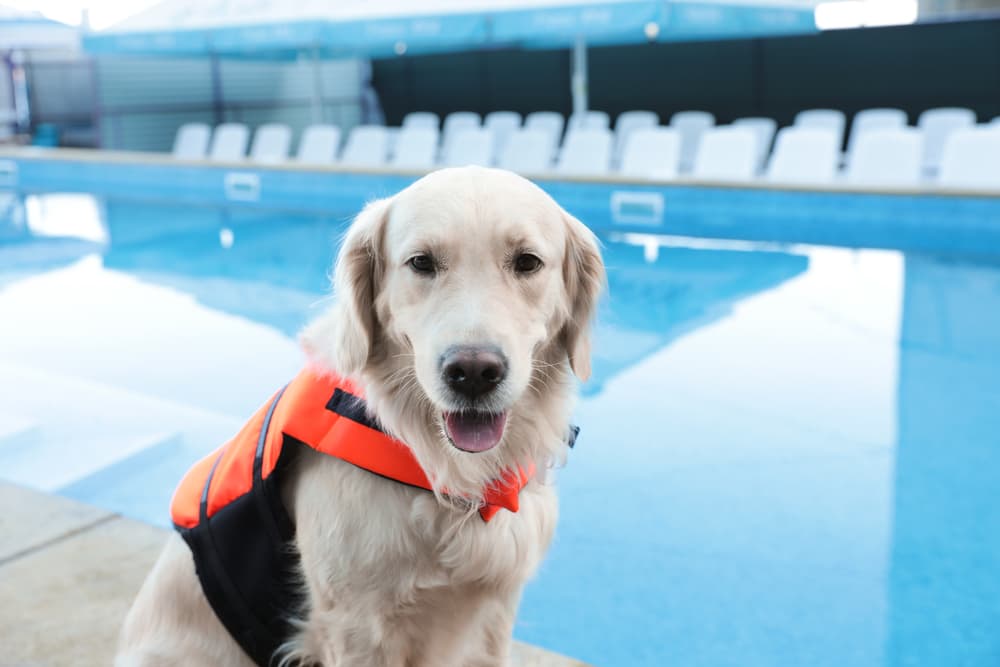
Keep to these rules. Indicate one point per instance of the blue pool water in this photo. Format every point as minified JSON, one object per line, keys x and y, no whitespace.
{"x":789,"y":455}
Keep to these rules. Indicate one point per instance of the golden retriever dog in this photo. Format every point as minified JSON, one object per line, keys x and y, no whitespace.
{"x":462,"y":306}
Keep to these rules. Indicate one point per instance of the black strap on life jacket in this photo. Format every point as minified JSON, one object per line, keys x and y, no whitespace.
{"x":246,"y":561}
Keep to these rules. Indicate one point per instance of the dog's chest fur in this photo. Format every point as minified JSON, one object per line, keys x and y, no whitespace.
{"x":357,"y":531}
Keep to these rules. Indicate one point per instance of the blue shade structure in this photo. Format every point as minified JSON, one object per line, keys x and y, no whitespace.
{"x":395,"y":27}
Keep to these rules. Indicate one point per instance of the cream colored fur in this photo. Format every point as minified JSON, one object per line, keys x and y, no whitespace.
{"x":396,"y":576}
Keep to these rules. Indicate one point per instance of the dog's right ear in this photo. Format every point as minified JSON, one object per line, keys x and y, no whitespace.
{"x":342,"y":339}
{"x":585,"y":278}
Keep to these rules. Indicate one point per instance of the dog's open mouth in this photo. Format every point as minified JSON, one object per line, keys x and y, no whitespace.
{"x":475,"y":431}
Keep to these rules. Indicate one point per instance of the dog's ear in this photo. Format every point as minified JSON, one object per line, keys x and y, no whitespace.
{"x":342,"y":339}
{"x":584,"y":277}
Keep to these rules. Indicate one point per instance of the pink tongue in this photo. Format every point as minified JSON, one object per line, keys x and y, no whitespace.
{"x":475,"y":431}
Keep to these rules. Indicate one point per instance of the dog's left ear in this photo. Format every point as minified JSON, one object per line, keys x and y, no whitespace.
{"x":342,"y":339}
{"x":584,"y":277}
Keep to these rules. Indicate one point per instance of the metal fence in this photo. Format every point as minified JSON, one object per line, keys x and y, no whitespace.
{"x":138,"y":103}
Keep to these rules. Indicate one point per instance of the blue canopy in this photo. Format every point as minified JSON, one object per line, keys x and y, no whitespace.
{"x":383,"y":28}
{"x":29,"y":30}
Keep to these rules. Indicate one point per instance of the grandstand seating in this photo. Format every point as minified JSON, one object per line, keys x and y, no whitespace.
{"x":881,"y":148}
{"x":229,"y":142}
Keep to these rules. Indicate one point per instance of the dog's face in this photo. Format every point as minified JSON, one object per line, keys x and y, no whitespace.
{"x":465,"y":283}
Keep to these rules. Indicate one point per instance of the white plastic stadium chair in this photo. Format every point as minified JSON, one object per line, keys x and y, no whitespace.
{"x":191,"y":142}
{"x":727,"y":153}
{"x":690,"y":125}
{"x":885,"y":157}
{"x":804,"y":155}
{"x":589,"y":120}
{"x":367,"y":146}
{"x":392,"y":134}
{"x":971,"y":159}
{"x":461,"y":120}
{"x":627,"y":123}
{"x":472,"y":145}
{"x":550,"y":121}
{"x":873,"y":119}
{"x":456,"y":122}
{"x":422,"y":119}
{"x":528,"y":151}
{"x":652,"y":152}
{"x":586,"y":153}
{"x":501,"y":123}
{"x":271,"y":143}
{"x":764,"y":129}
{"x":937,"y":124}
{"x":318,"y":145}
{"x":229,"y":142}
{"x":827,"y":118}
{"x":416,"y":148}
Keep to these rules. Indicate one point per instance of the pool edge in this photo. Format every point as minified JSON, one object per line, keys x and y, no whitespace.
{"x":69,"y":571}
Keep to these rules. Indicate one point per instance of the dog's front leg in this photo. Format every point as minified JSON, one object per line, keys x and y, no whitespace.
{"x":475,"y":632}
{"x":498,"y":631}
{"x":339,"y":637}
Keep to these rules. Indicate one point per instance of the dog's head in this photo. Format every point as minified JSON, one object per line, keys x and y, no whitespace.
{"x":463,"y":293}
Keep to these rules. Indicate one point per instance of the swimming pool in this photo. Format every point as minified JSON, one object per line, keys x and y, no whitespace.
{"x":789,"y":454}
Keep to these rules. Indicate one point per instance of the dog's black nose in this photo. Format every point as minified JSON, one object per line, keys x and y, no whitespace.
{"x":473,"y":371}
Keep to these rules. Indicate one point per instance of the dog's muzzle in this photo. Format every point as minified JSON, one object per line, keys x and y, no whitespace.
{"x":473,"y":373}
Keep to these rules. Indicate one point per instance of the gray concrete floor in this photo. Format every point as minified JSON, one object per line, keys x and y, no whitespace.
{"x":68,"y":573}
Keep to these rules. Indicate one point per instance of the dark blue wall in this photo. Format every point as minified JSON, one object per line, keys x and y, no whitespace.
{"x":912,"y":67}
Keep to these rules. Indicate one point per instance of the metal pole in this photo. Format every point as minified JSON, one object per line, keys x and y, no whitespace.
{"x":97,"y":108}
{"x":317,"y":90}
{"x":578,"y":83}
{"x":10,"y":113}
{"x":20,"y":91}
{"x":218,"y":104}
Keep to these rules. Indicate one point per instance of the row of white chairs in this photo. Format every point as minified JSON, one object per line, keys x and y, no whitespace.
{"x":320,"y":143}
{"x":272,"y":143}
{"x":881,"y":149}
{"x":802,"y":154}
{"x":880,"y":153}
{"x":531,"y":148}
{"x":553,"y":126}
{"x":935,"y":125}
{"x":410,"y":147}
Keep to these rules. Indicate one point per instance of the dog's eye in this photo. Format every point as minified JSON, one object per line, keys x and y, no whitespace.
{"x":422,"y":264}
{"x":527,"y":263}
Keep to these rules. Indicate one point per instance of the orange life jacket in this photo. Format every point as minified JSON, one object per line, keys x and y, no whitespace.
{"x":228,"y":507}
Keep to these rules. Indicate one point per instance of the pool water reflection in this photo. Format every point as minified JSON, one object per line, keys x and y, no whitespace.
{"x":789,"y":456}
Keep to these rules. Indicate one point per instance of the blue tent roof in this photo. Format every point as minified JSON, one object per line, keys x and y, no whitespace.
{"x":383,"y":29}
{"x":29,"y":30}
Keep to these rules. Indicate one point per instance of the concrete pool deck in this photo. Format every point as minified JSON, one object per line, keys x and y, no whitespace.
{"x":69,"y":571}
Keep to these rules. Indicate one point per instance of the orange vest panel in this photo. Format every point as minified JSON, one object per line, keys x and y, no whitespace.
{"x":313,"y":410}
